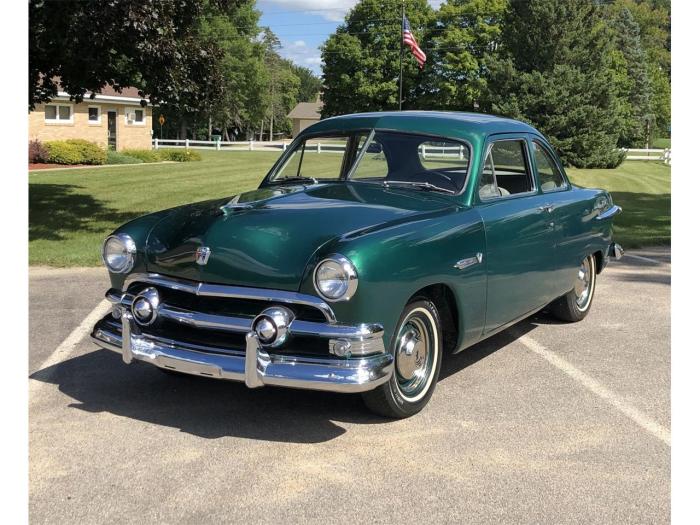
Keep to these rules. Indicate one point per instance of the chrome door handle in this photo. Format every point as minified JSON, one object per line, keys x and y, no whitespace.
{"x":549,"y":208}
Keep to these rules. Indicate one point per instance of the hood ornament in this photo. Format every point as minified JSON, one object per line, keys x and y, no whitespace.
{"x":202,"y":255}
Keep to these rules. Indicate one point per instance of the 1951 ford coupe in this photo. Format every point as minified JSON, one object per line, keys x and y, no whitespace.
{"x":375,"y":244}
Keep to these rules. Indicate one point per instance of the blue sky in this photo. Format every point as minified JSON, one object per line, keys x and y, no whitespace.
{"x":303,"y":25}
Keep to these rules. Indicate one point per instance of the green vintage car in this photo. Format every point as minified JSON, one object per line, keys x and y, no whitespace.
{"x":376,"y":244}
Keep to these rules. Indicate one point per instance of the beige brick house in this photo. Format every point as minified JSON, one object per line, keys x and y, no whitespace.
{"x":304,"y":114}
{"x":111,"y":119}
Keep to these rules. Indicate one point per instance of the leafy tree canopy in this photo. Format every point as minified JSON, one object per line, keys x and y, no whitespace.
{"x":361,"y":59}
{"x":148,"y":44}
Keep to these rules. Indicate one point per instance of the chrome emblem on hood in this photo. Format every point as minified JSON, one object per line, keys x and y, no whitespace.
{"x":202,"y":255}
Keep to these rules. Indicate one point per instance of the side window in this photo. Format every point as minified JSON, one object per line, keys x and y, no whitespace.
{"x":373,"y":165}
{"x":551,"y":178}
{"x":505,"y":170}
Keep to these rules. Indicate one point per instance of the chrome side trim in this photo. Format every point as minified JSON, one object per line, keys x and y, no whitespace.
{"x":234,"y":292}
{"x":469,"y":261}
{"x":610,"y":212}
{"x":256,"y":367}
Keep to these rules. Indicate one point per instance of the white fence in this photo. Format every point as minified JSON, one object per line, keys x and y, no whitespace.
{"x":434,"y":151}
{"x":649,"y":154}
{"x":219,"y":145}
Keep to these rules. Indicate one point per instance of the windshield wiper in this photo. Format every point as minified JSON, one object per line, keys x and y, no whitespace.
{"x":421,"y":185}
{"x":294,"y":179}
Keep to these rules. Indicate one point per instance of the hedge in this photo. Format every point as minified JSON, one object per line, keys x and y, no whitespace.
{"x":114,"y":157}
{"x":179,"y":155}
{"x":144,"y":155}
{"x":74,"y":151}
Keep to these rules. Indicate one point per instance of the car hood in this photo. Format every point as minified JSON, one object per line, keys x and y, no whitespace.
{"x":265,"y":238}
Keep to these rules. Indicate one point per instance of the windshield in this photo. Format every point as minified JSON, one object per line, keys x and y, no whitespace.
{"x":382,"y":157}
{"x":321,"y":158}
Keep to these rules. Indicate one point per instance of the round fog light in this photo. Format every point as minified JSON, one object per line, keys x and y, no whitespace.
{"x":272,"y":325}
{"x":145,"y":306}
{"x":266,"y":330}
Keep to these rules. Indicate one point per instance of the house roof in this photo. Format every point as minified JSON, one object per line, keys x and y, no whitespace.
{"x":307,"y":111}
{"x":128,"y":95}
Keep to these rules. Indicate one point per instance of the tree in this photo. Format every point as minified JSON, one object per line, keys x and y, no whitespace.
{"x":631,"y":79}
{"x":654,"y":20}
{"x":361,"y":59}
{"x":309,"y":84}
{"x":148,"y":44}
{"x":553,"y":71}
{"x":463,"y":34}
{"x":235,"y":30}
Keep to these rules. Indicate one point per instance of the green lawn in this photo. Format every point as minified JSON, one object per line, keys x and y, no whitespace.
{"x":661,"y":143}
{"x":643,"y":189}
{"x":70,"y":212}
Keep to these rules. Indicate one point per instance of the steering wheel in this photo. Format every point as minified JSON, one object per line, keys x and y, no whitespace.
{"x":446,"y":178}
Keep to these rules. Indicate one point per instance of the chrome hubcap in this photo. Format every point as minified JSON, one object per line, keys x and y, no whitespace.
{"x":582,"y":288}
{"x":414,"y":356}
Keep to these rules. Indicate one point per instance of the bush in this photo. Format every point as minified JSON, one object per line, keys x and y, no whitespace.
{"x":75,"y":151}
{"x":60,"y":152}
{"x":114,"y":157}
{"x":144,"y":155}
{"x":179,"y":155}
{"x":90,"y":152}
{"x":37,"y":152}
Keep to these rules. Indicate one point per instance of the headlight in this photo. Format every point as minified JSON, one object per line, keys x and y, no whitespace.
{"x":335,"y":278}
{"x":118,"y":253}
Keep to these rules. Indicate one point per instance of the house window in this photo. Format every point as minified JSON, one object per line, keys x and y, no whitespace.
{"x":94,"y":115}
{"x":58,"y":113}
{"x":134,"y":116}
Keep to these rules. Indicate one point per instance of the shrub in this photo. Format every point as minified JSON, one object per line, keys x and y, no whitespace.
{"x":179,"y":155}
{"x":114,"y":157}
{"x":75,"y":151}
{"x":145,"y":155}
{"x":37,"y":152}
{"x":90,"y":152}
{"x":60,"y":152}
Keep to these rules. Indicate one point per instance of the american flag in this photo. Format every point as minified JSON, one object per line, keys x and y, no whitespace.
{"x":410,"y":41}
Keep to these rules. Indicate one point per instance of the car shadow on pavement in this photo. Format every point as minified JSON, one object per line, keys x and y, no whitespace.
{"x":100,"y":382}
{"x":452,"y":364}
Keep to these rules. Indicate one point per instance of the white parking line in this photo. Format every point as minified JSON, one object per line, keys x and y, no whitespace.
{"x":69,"y":343}
{"x":655,"y":429}
{"x":639,"y":257}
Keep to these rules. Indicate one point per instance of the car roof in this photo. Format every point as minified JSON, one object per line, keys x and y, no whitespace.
{"x":453,"y":124}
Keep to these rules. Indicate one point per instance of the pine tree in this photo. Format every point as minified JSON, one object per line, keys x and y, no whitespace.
{"x":632,"y":80}
{"x":553,"y":70}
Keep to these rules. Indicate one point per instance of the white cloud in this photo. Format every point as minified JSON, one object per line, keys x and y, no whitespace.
{"x":298,"y":43}
{"x":329,"y":9}
{"x":313,"y":61}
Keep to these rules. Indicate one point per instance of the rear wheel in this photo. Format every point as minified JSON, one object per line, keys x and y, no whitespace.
{"x":576,"y":304}
{"x":417,"y":348}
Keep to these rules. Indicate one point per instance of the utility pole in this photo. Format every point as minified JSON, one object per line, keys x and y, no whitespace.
{"x":403,"y":17}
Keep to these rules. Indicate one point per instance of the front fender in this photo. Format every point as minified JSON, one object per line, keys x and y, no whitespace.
{"x":394,"y":263}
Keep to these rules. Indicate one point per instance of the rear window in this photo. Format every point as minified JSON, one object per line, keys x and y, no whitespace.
{"x":403,"y":157}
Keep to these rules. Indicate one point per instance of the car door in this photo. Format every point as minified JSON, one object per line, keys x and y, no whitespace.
{"x":567,"y":210}
{"x":519,"y":232}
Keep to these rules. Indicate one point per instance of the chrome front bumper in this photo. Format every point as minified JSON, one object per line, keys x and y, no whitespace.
{"x":255,"y":366}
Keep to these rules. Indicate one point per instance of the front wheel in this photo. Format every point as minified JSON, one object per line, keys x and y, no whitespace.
{"x":576,"y":304}
{"x":417,"y":348}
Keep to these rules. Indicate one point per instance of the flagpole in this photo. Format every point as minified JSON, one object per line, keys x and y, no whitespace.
{"x":403,"y":17}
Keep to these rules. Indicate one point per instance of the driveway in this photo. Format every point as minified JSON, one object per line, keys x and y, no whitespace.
{"x":546,"y":422}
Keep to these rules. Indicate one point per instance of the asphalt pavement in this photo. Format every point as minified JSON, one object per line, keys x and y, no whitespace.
{"x":544,"y":423}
